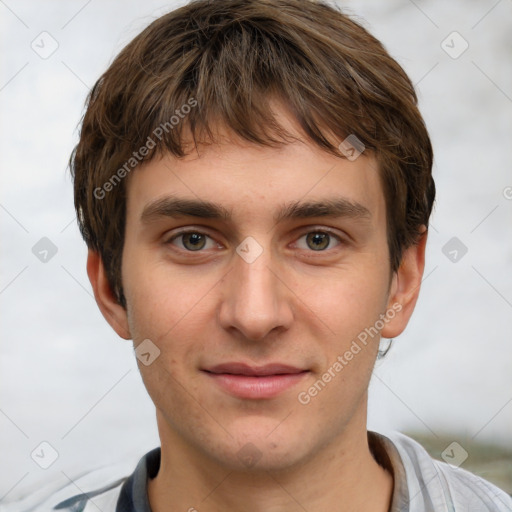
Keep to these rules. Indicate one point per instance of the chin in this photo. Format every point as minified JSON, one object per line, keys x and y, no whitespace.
{"x":257,"y":451}
{"x":253,"y":459}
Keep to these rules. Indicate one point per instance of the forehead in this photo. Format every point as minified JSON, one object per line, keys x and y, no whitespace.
{"x":236,"y":176}
{"x":243,"y":180}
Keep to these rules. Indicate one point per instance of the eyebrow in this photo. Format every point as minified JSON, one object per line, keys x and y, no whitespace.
{"x":329,"y":207}
{"x":171,"y":206}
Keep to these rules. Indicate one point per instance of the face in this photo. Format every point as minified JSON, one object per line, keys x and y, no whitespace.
{"x":257,"y":299}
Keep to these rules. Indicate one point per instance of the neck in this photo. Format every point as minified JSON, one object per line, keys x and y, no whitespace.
{"x":342,"y":476}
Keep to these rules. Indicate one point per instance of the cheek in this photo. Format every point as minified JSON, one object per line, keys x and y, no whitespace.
{"x":175,"y":313}
{"x":347,"y":300}
{"x":163,"y":301}
{"x":174,"y":321}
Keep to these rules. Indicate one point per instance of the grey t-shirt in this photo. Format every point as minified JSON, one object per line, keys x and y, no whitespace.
{"x":421,"y":484}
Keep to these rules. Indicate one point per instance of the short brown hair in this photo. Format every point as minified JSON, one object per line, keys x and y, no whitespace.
{"x":232,"y":57}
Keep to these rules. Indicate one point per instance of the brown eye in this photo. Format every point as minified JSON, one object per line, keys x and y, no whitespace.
{"x":191,"y":241}
{"x":194,"y":241}
{"x":317,"y":241}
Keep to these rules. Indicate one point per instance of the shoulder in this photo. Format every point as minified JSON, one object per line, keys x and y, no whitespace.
{"x":98,"y":489}
{"x":437,"y":484}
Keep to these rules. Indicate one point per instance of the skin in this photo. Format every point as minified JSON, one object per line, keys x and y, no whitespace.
{"x":293,"y":305}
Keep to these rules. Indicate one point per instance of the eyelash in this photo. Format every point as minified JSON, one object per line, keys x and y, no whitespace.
{"x":195,"y":231}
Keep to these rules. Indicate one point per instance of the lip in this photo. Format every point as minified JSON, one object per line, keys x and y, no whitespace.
{"x":255,"y":382}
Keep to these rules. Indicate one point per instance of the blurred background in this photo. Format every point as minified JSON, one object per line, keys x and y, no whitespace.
{"x":67,"y":380}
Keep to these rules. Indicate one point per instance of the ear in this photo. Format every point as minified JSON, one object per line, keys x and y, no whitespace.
{"x":405,"y":287}
{"x":113,"y":312}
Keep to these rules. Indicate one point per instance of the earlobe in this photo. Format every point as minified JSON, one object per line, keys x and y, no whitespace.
{"x":113,"y":312}
{"x":405,"y":288}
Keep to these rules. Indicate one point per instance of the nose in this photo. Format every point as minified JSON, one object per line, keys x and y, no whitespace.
{"x":255,"y":298}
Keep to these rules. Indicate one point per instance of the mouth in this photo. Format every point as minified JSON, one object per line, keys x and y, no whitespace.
{"x":255,"y":382}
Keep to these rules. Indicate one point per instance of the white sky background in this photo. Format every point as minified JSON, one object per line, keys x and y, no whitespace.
{"x":67,"y":379}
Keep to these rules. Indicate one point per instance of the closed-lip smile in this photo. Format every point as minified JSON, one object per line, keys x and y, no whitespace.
{"x":255,"y":382}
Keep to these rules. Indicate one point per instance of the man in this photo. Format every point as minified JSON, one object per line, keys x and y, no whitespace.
{"x":253,"y":181}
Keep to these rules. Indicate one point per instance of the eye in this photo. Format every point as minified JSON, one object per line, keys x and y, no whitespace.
{"x":192,"y":240}
{"x":319,"y":241}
